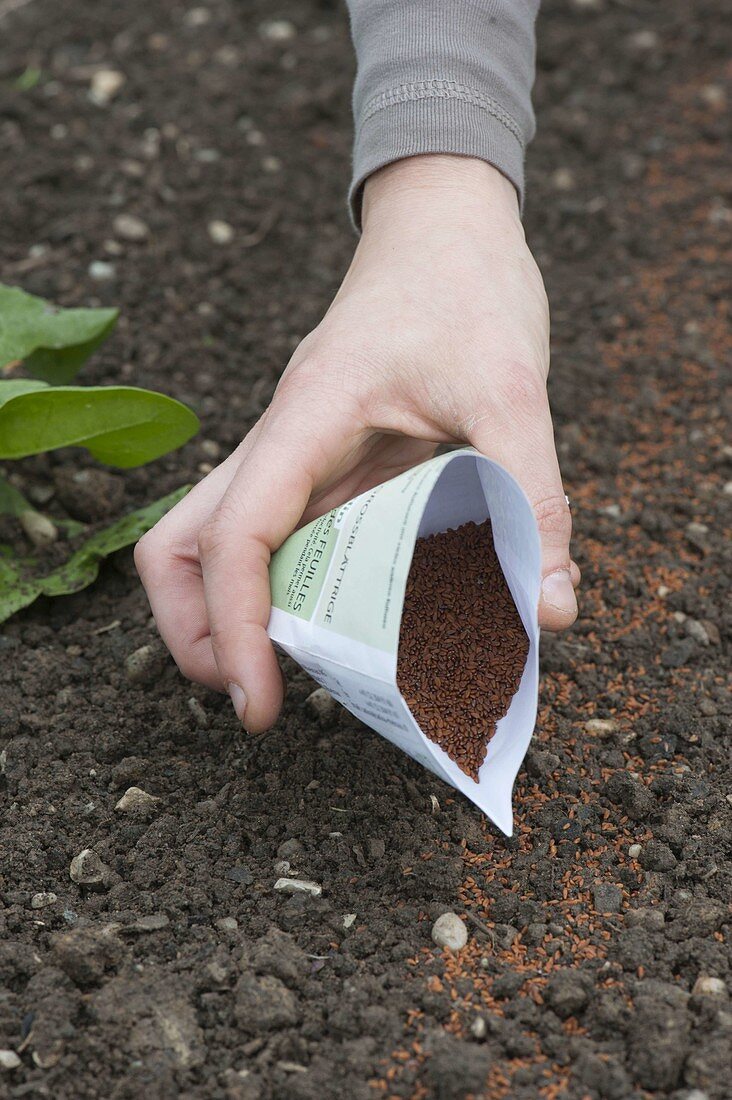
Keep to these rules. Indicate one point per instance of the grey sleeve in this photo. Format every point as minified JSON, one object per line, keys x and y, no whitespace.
{"x":442,"y":76}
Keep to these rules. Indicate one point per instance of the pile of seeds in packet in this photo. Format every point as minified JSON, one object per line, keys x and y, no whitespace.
{"x":462,"y":645}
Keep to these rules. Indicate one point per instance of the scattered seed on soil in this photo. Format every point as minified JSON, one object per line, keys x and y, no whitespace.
{"x":462,"y":647}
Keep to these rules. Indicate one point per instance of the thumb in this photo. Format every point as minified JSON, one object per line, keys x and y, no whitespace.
{"x":261,"y":507}
{"x":525,"y":447}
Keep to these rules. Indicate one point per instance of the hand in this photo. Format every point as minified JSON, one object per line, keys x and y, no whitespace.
{"x":439,"y":334}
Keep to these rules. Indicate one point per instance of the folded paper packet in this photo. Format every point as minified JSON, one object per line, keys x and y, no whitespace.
{"x":338,"y":589}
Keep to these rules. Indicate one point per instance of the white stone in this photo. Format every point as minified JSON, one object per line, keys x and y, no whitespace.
{"x":136,"y":801}
{"x":321,"y":704}
{"x":478,"y":1028}
{"x":105,"y":84}
{"x":197,"y":17}
{"x":87,"y":869}
{"x":349,"y":919}
{"x":40,"y":901}
{"x":277,"y":30}
{"x":563,"y":179}
{"x":714,"y":95}
{"x":101,"y":271}
{"x":130,"y":227}
{"x":39,"y":528}
{"x":9,"y":1059}
{"x":643,"y":41}
{"x":601,"y":727}
{"x":449,"y":931}
{"x":227,"y":924}
{"x":707,"y":986}
{"x":298,"y":886}
{"x":220,"y":232}
{"x":634,"y":851}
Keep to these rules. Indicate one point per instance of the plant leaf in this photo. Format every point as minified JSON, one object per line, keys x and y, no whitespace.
{"x":119,"y":425}
{"x":52,"y":343}
{"x":18,"y":591}
{"x":12,"y":501}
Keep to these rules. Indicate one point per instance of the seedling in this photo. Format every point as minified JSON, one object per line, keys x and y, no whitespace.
{"x":41,"y":350}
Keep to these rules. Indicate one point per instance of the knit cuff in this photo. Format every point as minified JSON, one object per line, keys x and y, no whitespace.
{"x":436,"y":116}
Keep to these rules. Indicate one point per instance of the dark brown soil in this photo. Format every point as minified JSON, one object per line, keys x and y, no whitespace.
{"x":462,"y":645}
{"x":180,"y":971}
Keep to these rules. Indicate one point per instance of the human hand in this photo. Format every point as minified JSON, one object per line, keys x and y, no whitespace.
{"x":438,"y":334}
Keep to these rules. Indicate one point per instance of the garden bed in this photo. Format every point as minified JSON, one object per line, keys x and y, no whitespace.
{"x":176,"y":968}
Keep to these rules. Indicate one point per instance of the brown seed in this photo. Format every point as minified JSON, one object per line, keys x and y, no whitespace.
{"x":462,"y":645}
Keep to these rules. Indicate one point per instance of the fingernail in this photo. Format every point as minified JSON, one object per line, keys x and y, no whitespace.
{"x":557,"y":592}
{"x":238,"y":698}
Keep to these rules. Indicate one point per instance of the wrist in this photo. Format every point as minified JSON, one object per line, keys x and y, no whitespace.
{"x":437,"y":187}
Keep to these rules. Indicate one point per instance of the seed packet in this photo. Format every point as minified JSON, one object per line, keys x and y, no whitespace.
{"x":338,"y":588}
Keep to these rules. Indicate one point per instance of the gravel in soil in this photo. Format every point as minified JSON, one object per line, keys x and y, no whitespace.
{"x":597,"y":961}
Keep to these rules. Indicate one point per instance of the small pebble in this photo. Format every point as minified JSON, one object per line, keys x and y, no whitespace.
{"x":40,"y":901}
{"x":105,"y":84}
{"x":698,"y":535}
{"x":634,"y":851}
{"x":39,"y":528}
{"x":714,"y":95}
{"x":101,"y":271}
{"x":601,"y":727}
{"x":449,"y":931}
{"x":277,"y":30}
{"x":220,"y":232}
{"x":349,"y":919}
{"x":130,"y":228}
{"x":198,"y":712}
{"x":87,"y":869}
{"x":478,"y":1028}
{"x":322,"y":705}
{"x":563,"y":179}
{"x":197,"y":17}
{"x":210,"y":448}
{"x":9,"y":1060}
{"x":227,"y":924}
{"x":282,"y":867}
{"x":643,"y":41}
{"x":696,"y":630}
{"x":151,"y":922}
{"x":707,"y":986}
{"x":137,"y":802}
{"x":298,"y":886}
{"x":144,"y":665}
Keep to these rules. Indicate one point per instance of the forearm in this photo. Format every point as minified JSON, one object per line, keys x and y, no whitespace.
{"x":442,"y":76}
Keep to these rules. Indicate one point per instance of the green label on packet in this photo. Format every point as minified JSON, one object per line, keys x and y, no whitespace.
{"x":299,"y":567}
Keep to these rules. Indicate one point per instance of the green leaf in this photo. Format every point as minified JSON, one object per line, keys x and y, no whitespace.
{"x":28,"y":79}
{"x":119,"y":425}
{"x":18,"y":590}
{"x":12,"y":501}
{"x":52,"y":343}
